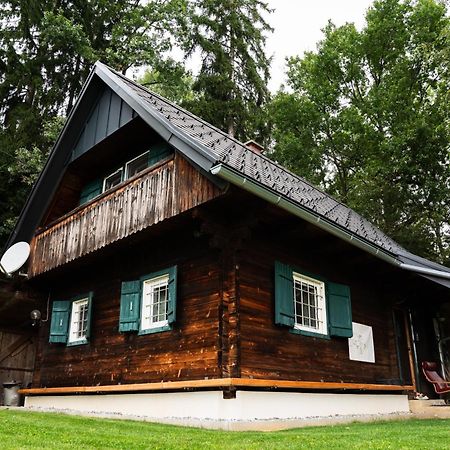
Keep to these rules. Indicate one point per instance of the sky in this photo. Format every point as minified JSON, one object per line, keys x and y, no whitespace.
{"x":297,"y":27}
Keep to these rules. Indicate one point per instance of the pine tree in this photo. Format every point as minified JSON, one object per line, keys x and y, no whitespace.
{"x":47,"y":49}
{"x":232,"y":83}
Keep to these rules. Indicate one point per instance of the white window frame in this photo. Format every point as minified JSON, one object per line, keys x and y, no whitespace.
{"x":131,"y":160}
{"x":147,"y":301}
{"x":74,"y":321}
{"x":322,"y":327}
{"x":110,"y":175}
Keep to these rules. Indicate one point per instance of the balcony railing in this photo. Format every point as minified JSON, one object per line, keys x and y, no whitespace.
{"x":157,"y":194}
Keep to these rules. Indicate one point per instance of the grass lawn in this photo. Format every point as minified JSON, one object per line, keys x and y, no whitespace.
{"x":24,"y":429}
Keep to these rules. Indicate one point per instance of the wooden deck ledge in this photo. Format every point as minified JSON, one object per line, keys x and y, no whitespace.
{"x":214,"y":383}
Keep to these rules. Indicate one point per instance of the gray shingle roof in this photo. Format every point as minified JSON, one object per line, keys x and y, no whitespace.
{"x":229,"y":151}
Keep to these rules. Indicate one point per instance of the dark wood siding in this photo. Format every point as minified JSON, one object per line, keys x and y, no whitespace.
{"x":17,"y":353}
{"x":271,"y":351}
{"x":189,"y":351}
{"x":160,"y":193}
{"x":225,"y":252}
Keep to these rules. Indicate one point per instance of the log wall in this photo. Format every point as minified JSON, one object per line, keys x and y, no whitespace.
{"x":271,"y":351}
{"x":225,"y":309}
{"x":191,"y":350}
{"x":156,"y":195}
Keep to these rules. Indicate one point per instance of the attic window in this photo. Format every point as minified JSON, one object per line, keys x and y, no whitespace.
{"x":129,"y":169}
{"x":136,"y":165}
{"x":112,"y":180}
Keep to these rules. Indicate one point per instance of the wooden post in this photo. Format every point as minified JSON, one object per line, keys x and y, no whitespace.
{"x":410,"y":352}
{"x":230,"y":317}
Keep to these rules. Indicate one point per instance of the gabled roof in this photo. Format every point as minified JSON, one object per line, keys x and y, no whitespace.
{"x":225,"y":157}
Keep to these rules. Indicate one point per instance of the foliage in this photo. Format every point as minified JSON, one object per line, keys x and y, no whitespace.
{"x":47,"y":49}
{"x":171,"y":80}
{"x":58,"y":431}
{"x":368,"y":119}
{"x":232,"y":84}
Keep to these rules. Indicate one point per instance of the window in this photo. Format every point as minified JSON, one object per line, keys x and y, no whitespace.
{"x":311,"y":305}
{"x":112,"y":180}
{"x":155,"y":297}
{"x":70,"y":320}
{"x":136,"y":165}
{"x":79,"y":320}
{"x":158,"y":151}
{"x":148,"y":305}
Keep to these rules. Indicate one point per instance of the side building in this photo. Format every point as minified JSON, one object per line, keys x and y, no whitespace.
{"x":183,"y":275}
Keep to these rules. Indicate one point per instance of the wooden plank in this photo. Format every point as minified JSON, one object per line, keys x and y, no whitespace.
{"x":103,"y":116}
{"x":410,"y":351}
{"x":215,"y":383}
{"x":13,"y":347}
{"x":18,"y":369}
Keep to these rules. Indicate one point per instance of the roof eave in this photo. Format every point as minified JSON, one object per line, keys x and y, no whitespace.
{"x":283,"y":202}
{"x":263,"y":192}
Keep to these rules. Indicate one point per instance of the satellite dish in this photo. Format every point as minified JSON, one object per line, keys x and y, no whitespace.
{"x":15,"y":257}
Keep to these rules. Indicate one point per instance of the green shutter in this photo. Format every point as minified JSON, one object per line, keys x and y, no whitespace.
{"x":172,"y":303}
{"x":339,"y":310}
{"x":91,"y":190}
{"x":158,"y":151}
{"x":284,"y":295}
{"x":59,"y":324}
{"x":130,"y":302}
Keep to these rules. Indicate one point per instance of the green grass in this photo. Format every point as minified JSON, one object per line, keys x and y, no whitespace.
{"x":24,"y":429}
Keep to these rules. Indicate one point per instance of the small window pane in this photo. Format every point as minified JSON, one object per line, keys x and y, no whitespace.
{"x":79,"y":320}
{"x":113,"y":180}
{"x":309,"y":304}
{"x":155,"y":302}
{"x":137,"y":165}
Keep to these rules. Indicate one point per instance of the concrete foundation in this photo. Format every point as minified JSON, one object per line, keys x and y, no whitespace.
{"x":249,"y":410}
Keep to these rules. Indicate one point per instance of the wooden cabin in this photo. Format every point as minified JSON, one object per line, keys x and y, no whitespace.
{"x":186,"y":276}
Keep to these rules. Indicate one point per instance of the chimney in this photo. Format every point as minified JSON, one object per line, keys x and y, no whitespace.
{"x":257,"y":148}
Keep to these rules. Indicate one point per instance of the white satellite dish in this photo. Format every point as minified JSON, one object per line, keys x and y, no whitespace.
{"x":15,"y":257}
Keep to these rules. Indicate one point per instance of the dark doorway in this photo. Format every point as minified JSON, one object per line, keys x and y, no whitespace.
{"x":402,"y":340}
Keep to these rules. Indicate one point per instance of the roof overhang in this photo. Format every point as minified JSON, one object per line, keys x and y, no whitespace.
{"x":438,"y":276}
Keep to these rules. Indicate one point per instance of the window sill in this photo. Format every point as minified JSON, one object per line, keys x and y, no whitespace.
{"x":309,"y":333}
{"x":75,"y":343}
{"x":155,"y":330}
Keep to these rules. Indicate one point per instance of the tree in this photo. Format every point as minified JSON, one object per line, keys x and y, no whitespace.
{"x":368,"y":120}
{"x":232,"y":83}
{"x":47,"y":48}
{"x":171,"y":80}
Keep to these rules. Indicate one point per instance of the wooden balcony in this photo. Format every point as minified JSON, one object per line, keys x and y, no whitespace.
{"x":157,"y":194}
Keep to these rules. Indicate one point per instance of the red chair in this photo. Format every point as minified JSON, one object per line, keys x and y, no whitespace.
{"x":430,"y":371}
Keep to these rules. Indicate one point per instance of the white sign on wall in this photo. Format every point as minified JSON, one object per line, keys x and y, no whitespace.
{"x":360,"y":346}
